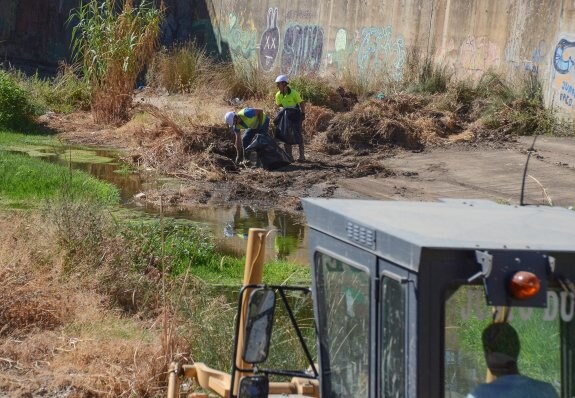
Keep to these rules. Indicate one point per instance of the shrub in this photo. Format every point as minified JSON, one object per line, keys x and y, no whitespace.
{"x":313,"y":89}
{"x":16,"y":109}
{"x":64,"y":93}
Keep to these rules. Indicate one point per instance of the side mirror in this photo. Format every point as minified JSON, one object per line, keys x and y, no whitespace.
{"x":259,"y":321}
{"x":254,"y":387}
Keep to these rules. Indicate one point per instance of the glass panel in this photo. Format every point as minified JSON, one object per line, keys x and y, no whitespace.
{"x":392,"y":339}
{"x":536,"y":344}
{"x":344,"y":305}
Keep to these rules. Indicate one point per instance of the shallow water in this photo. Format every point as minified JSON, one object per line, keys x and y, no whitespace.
{"x":230,"y":224}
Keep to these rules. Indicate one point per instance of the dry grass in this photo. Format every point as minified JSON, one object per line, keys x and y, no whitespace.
{"x":182,"y":149}
{"x":60,"y":334}
{"x":399,"y":121}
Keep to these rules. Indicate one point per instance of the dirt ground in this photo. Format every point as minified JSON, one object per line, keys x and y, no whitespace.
{"x":397,"y":148}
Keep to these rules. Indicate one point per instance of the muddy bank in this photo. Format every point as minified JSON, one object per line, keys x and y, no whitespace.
{"x":344,"y":145}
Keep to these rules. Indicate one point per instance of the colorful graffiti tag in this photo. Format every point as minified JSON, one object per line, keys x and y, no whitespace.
{"x":269,"y":43}
{"x":563,"y":73}
{"x":242,"y":41}
{"x":379,"y":52}
{"x":302,"y":49}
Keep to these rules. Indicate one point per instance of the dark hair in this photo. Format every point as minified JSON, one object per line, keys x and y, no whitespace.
{"x":502,"y":338}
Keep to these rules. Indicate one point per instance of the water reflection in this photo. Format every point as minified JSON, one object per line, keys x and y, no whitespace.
{"x":230,"y":224}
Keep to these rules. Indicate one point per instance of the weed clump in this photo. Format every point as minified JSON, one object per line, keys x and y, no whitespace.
{"x":64,"y":93}
{"x":183,"y":69}
{"x":246,"y":82}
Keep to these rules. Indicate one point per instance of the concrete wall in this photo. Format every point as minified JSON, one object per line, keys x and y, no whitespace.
{"x":370,"y":37}
{"x":336,"y":37}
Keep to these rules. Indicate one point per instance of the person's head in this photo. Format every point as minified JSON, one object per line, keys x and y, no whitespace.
{"x":282,"y":82}
{"x":501,"y":347}
{"x":230,"y":119}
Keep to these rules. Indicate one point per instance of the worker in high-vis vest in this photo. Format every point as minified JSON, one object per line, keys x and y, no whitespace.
{"x":253,"y":121}
{"x":289,"y":98}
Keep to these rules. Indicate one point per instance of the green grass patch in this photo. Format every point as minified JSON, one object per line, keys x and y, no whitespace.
{"x":13,"y":138}
{"x":190,"y":248}
{"x":29,"y":179}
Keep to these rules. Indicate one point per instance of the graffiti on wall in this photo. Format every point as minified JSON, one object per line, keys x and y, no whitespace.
{"x":476,"y":56}
{"x":269,"y":43}
{"x":302,"y":49}
{"x":537,"y":57}
{"x":299,"y":14}
{"x":562,"y":58}
{"x":242,"y":40}
{"x":372,"y":52}
{"x":530,"y":63}
{"x":563,"y":73}
{"x":338,"y":60}
{"x":379,"y":51}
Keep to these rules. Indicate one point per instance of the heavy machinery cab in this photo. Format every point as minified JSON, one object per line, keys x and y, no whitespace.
{"x":402,"y":292}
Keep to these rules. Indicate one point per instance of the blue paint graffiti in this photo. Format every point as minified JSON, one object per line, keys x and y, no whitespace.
{"x":561,"y":65}
{"x":567,"y":93}
{"x":302,"y":49}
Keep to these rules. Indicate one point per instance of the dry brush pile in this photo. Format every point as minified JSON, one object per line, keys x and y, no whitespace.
{"x":406,"y":121}
{"x":61,"y":333}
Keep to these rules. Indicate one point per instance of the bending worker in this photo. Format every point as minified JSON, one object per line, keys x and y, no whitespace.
{"x":253,"y":121}
{"x":289,"y":98}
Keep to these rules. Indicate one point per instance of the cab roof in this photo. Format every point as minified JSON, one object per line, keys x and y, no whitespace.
{"x":399,"y":230}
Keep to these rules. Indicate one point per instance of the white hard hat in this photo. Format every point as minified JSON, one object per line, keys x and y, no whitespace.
{"x":229,"y":118}
{"x":282,"y":79}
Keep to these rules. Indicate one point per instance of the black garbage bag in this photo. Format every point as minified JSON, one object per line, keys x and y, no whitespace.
{"x":269,"y":153}
{"x":288,"y":123}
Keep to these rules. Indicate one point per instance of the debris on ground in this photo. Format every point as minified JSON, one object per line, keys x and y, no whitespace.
{"x":348,"y":139}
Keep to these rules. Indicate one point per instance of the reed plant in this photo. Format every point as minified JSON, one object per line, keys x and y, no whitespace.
{"x":113,"y":41}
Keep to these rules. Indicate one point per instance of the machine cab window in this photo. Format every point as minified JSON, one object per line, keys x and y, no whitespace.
{"x":539,"y":356}
{"x":465,"y":299}
{"x":343,"y":291}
